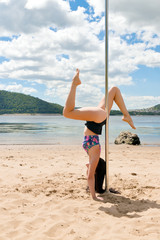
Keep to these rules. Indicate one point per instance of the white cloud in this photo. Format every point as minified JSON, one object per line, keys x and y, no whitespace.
{"x":140,"y":102}
{"x":4,"y":1}
{"x":36,"y":57}
{"x":51,"y":57}
{"x":17,"y":88}
{"x":139,"y":14}
{"x":135,"y":13}
{"x":124,"y":59}
{"x":98,"y":6}
{"x":120,"y":80}
{"x":132,"y":16}
{"x":87,"y":94}
{"x":33,"y":4}
{"x":29,"y":17}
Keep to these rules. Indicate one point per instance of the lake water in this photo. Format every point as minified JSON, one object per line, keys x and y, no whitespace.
{"x":51,"y":129}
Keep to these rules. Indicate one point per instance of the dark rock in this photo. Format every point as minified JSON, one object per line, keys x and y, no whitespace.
{"x":127,"y":138}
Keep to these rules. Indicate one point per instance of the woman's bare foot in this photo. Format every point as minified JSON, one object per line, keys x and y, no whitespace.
{"x":76,"y":81}
{"x":127,"y":118}
{"x":99,"y":199}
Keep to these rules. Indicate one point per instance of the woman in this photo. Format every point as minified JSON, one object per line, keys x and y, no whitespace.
{"x":95,"y":117}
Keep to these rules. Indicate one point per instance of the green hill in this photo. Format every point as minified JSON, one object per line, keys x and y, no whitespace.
{"x":11,"y":102}
{"x":146,"y":111}
{"x":155,"y":108}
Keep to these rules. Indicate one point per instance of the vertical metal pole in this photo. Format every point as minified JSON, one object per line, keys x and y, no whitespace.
{"x":106,"y":99}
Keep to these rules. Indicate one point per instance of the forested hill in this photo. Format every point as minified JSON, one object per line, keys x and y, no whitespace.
{"x":146,"y":111}
{"x":11,"y":102}
{"x":155,"y":108}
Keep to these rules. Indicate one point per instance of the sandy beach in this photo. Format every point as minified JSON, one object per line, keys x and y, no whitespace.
{"x":43,"y":194}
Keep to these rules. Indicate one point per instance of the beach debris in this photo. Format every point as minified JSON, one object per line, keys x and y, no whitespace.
{"x":134,"y":174}
{"x":127,"y":138}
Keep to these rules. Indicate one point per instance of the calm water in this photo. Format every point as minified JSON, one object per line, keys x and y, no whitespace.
{"x":51,"y":129}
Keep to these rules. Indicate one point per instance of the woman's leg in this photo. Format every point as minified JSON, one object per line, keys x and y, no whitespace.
{"x":70,"y":102}
{"x":94,"y":154}
{"x":95,"y":114}
{"x":115,"y":95}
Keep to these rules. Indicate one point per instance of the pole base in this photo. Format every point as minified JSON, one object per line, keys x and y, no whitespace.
{"x":112,"y":190}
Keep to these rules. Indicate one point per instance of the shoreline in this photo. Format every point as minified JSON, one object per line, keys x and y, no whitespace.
{"x":61,"y":144}
{"x":59,"y":114}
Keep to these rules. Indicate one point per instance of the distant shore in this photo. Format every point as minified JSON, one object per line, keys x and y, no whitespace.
{"x":14,"y":103}
{"x":58,"y":114}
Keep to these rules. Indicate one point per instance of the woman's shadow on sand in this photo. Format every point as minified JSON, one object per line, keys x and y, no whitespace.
{"x":127,"y":207}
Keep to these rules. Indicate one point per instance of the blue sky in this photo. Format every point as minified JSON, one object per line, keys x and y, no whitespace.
{"x":43,"y":42}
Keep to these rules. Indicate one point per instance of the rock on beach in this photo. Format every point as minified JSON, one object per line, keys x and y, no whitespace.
{"x":127,"y":138}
